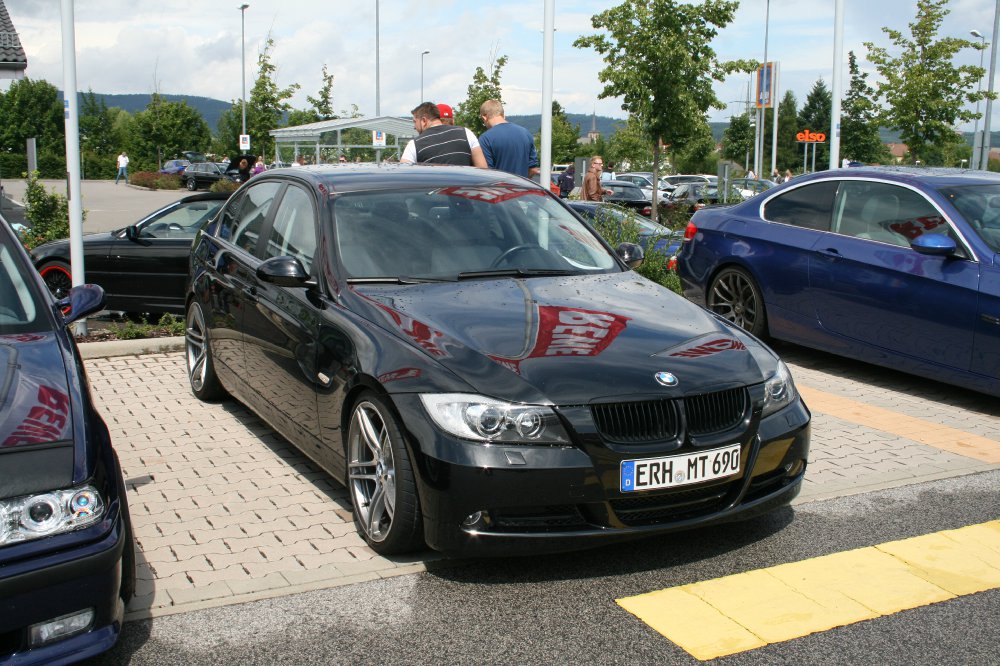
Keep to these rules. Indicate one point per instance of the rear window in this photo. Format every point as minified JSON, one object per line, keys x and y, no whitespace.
{"x":809,"y":206}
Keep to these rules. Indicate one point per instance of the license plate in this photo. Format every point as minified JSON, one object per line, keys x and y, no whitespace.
{"x":682,"y":470}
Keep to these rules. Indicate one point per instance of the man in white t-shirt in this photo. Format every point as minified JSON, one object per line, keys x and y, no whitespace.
{"x":122,"y":168}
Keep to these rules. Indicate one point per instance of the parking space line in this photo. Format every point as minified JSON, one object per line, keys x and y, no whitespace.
{"x":724,"y":616}
{"x":916,"y":429}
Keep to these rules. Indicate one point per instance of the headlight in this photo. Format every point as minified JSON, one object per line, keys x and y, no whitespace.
{"x":35,"y":516}
{"x":779,"y":390}
{"x":483,"y":419}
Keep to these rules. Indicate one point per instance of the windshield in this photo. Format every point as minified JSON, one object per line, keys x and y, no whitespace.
{"x":980,"y":206}
{"x":446,"y":232}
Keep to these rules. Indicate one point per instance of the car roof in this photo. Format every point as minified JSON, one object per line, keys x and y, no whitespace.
{"x":934,"y":176}
{"x":359,"y":178}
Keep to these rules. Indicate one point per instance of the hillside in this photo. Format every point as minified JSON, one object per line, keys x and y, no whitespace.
{"x":210,"y":109}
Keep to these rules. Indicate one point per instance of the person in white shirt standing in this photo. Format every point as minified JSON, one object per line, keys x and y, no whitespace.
{"x":122,"y":168}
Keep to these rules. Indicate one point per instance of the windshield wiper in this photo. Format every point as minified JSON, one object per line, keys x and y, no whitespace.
{"x":402,"y":279}
{"x":515,"y":272}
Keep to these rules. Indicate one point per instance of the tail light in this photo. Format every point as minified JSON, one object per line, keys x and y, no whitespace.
{"x":690,"y":231}
{"x":647,"y":211}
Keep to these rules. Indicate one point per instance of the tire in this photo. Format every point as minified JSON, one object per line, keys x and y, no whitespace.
{"x":201,"y":369}
{"x":58,"y":278}
{"x":380,"y":479}
{"x":734,"y":295}
{"x":191,"y":184}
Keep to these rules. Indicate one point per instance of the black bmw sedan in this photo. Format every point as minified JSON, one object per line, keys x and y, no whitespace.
{"x":67,"y":564}
{"x":143,"y":267}
{"x":483,"y":372}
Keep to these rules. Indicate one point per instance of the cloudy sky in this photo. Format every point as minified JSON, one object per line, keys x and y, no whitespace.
{"x":139,"y":46}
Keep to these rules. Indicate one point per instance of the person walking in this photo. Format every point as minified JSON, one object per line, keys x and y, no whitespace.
{"x":567,"y":181}
{"x":122,"y":168}
{"x":592,"y":189}
{"x":506,"y":146}
{"x":437,"y":143}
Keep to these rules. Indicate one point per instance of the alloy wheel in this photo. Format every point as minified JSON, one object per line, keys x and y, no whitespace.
{"x":734,"y":296}
{"x":197,"y":348}
{"x":371,"y":471}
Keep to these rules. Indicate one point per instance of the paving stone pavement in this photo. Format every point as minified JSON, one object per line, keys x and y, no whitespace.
{"x":226,"y":511}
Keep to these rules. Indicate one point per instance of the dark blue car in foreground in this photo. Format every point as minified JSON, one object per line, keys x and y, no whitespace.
{"x":67,"y":565}
{"x":891,"y":265}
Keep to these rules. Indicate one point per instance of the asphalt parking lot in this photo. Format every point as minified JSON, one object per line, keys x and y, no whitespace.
{"x":226,"y":511}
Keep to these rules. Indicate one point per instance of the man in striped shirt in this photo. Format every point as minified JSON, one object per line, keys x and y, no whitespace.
{"x":438,"y":143}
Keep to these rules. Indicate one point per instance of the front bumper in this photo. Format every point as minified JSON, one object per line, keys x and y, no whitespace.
{"x":58,"y":582}
{"x":532,"y":499}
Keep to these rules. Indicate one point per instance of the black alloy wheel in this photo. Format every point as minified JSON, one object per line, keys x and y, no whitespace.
{"x":58,"y":277}
{"x":380,"y":479}
{"x":191,"y":184}
{"x":734,"y":295}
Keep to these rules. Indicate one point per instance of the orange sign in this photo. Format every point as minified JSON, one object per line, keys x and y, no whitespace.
{"x":807,"y":136}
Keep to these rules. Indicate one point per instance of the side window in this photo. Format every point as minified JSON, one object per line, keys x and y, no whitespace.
{"x":809,"y":206}
{"x":243,"y":222}
{"x":294,"y":231}
{"x":886,"y":213}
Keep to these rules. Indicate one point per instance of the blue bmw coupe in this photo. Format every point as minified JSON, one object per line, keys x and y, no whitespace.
{"x":895,"y":266}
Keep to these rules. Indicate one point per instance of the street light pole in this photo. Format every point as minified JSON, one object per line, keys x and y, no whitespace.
{"x":243,"y":60}
{"x":422,"y":75}
{"x":984,"y":158}
{"x":977,"y":141}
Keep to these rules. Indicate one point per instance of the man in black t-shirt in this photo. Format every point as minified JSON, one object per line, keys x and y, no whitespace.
{"x":438,"y":143}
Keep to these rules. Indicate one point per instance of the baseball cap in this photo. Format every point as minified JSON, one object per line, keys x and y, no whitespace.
{"x":445,"y":111}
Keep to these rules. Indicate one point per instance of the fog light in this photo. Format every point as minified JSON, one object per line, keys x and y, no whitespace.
{"x":795,"y":468}
{"x":475,"y":521}
{"x":61,"y":627}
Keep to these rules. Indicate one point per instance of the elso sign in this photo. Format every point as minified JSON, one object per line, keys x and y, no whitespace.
{"x":810,"y":137}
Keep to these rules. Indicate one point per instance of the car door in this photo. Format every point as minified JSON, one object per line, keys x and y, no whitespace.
{"x":234,"y":262}
{"x":281,"y":324}
{"x":867,"y":284}
{"x":147,"y":271}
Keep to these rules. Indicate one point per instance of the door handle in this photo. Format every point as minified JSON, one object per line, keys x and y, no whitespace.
{"x":250,"y":293}
{"x":830,"y":252}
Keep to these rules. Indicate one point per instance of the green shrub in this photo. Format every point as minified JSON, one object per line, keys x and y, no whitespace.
{"x":655,"y":264}
{"x":223,"y":186}
{"x":131,"y":330}
{"x":168,"y":181}
{"x":145,"y":179}
{"x":47,"y":214}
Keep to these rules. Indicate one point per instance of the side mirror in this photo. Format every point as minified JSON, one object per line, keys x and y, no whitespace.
{"x":83,"y":300}
{"x":284,"y":272}
{"x":132,"y":232}
{"x":631,"y":254}
{"x":935,"y":245}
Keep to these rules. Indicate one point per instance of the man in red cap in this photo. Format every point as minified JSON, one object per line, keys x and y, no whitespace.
{"x":447,"y":115}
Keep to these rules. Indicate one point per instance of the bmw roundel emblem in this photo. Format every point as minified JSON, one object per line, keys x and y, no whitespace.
{"x":666,"y":379}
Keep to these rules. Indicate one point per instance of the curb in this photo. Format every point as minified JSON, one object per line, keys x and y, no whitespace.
{"x":110,"y":348}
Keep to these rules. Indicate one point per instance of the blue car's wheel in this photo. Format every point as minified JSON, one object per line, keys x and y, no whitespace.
{"x":734,"y":295}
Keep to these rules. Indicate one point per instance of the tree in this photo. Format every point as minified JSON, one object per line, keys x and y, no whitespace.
{"x":859,"y":137}
{"x":629,"y":146}
{"x":925,"y":94}
{"x":789,"y":151}
{"x":658,"y":60}
{"x":815,"y":115}
{"x":32,"y":108}
{"x":564,"y":136}
{"x":322,"y":104}
{"x":737,"y":140}
{"x":165,"y":129}
{"x":482,"y":88}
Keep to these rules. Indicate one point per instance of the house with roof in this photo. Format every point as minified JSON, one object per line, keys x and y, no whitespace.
{"x":13,"y":62}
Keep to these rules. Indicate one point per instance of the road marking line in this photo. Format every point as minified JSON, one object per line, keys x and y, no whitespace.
{"x":724,"y":616}
{"x":919,"y":430}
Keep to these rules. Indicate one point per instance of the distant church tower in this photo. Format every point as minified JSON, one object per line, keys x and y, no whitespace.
{"x":13,"y":62}
{"x":593,"y":135}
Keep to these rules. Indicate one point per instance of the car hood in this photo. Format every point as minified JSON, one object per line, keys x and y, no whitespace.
{"x":569,"y":340}
{"x":61,"y":246}
{"x":35,"y":403}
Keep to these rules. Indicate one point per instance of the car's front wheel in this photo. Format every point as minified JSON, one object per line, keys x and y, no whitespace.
{"x":381,"y":480}
{"x":191,"y":184}
{"x":58,"y":278}
{"x":200,"y":366}
{"x":734,"y":295}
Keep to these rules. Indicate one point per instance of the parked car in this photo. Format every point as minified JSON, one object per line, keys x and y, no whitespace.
{"x":174,"y":167}
{"x":750,"y":187}
{"x":203,"y":174}
{"x":143,"y":267}
{"x":644,"y":180}
{"x":694,"y":196}
{"x":627,"y":195}
{"x":663,"y":239}
{"x":67,"y":563}
{"x":893,"y":266}
{"x":680,"y":179}
{"x":480,"y":368}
